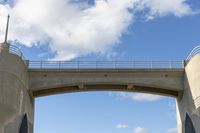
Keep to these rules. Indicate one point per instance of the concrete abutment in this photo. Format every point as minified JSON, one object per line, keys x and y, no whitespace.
{"x":15,"y":100}
{"x":188,"y":105}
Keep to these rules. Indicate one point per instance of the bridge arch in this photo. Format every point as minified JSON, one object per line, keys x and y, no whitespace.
{"x":122,"y":87}
{"x":48,"y":78}
{"x":166,"y":82}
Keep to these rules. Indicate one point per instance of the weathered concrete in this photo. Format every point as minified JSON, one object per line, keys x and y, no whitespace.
{"x":189,"y":103}
{"x":14,"y":95}
{"x":19,"y":86}
{"x":158,"y":81}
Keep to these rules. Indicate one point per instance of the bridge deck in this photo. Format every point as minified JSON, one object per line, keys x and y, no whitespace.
{"x":156,"y":81}
{"x":53,"y":77}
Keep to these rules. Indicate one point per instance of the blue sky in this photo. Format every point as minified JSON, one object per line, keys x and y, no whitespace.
{"x":103,"y":30}
{"x":102,"y":112}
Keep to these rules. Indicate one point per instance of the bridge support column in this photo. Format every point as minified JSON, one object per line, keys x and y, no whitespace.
{"x":188,"y":104}
{"x":16,"y":105}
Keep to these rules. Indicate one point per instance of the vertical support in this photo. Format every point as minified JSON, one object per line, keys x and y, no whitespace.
{"x":15,"y":100}
{"x":59,"y":65}
{"x":78,"y":63}
{"x":40,"y":64}
{"x":188,"y":104}
{"x":170,"y":62}
{"x":133,"y":64}
{"x":96,"y":64}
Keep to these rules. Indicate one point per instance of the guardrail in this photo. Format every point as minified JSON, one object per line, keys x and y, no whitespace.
{"x":194,"y":52}
{"x":59,"y":65}
{"x":15,"y":50}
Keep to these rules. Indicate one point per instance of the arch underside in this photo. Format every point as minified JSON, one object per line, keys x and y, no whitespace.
{"x":158,"y":81}
{"x":104,"y":87}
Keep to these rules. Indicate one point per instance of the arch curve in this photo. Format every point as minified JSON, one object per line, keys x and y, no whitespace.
{"x":80,"y":87}
{"x":162,"y":82}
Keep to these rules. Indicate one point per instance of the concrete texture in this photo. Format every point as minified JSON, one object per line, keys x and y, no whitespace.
{"x":47,"y":82}
{"x":19,"y":86}
{"x":190,"y":101}
{"x":14,"y":95}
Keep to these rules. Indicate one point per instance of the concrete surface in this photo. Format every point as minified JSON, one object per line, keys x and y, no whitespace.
{"x":14,"y":95}
{"x":20,"y":85}
{"x":190,"y":101}
{"x":47,"y":82}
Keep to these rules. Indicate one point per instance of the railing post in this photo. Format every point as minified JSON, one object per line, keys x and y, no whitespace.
{"x":21,"y":54}
{"x":170,"y":62}
{"x":27,"y":63}
{"x":133,"y":64}
{"x":78,"y":65}
{"x":41,"y":64}
{"x":184,"y":62}
{"x":59,"y":65}
{"x":96,"y":62}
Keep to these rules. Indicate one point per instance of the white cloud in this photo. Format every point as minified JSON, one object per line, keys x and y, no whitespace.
{"x":172,"y":130}
{"x":121,"y":126}
{"x":172,"y":106}
{"x":138,"y":96}
{"x":145,"y":97}
{"x":73,"y":30}
{"x":80,"y":29}
{"x":124,"y":95}
{"x":161,"y":8}
{"x":140,"y":130}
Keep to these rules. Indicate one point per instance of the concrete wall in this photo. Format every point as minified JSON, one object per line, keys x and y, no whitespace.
{"x":14,"y":97}
{"x":190,"y":101}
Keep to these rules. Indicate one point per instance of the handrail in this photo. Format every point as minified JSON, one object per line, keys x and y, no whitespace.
{"x":59,"y":65}
{"x":194,"y":52}
{"x":15,"y":50}
{"x":77,"y":65}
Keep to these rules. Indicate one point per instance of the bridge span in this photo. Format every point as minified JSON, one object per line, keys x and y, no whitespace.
{"x":22,"y":81}
{"x":168,"y":82}
{"x":155,"y":77}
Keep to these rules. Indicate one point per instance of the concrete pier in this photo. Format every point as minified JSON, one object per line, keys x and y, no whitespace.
{"x":189,"y":102}
{"x":15,"y":100}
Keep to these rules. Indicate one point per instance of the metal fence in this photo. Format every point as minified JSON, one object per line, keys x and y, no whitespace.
{"x":15,"y":50}
{"x":59,"y":65}
{"x":194,"y":52}
{"x":105,"y":65}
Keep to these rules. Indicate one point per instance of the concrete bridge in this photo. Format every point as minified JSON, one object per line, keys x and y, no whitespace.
{"x":21,"y":81}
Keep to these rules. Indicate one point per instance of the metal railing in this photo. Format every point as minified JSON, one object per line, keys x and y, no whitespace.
{"x":194,"y":52}
{"x":15,"y":50}
{"x":59,"y":65}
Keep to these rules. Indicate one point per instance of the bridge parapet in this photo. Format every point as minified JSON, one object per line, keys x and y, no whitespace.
{"x":15,"y":50}
{"x":194,"y":52}
{"x":136,"y":64}
{"x":111,"y":65}
{"x":6,"y":47}
{"x":91,"y":65}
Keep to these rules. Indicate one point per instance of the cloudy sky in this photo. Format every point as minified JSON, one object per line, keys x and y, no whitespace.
{"x":69,"y":29}
{"x":103,"y":30}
